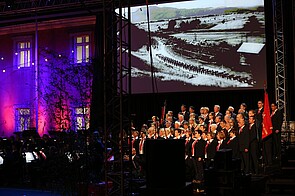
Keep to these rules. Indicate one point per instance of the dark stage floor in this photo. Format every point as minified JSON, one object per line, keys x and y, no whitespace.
{"x":275,"y":180}
{"x":25,"y":192}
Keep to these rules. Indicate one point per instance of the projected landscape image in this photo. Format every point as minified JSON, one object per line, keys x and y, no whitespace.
{"x":199,"y":45}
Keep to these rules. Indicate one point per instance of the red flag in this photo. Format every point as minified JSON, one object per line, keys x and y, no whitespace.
{"x":163,"y":113}
{"x":266,"y":124}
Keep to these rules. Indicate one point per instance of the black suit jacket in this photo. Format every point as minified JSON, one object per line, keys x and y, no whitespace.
{"x":243,"y":137}
{"x":136,"y":145}
{"x":206,"y":120}
{"x":188,"y":147}
{"x":150,"y":138}
{"x":219,"y":128}
{"x":223,"y":145}
{"x":277,"y":120}
{"x":259,"y":116}
{"x":136,"y":162}
{"x":186,"y":115}
{"x":143,"y":147}
{"x":218,"y":114}
{"x":234,"y":145}
{"x":200,"y":149}
{"x":253,"y":133}
{"x":211,"y":149}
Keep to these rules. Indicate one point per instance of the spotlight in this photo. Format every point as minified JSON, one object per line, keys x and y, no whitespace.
{"x":2,"y":58}
{"x":31,"y":156}
{"x":3,"y":70}
{"x":9,"y":3}
{"x":1,"y":160}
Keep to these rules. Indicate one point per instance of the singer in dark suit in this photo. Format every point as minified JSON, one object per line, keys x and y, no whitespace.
{"x":184,"y":112}
{"x":277,"y":121}
{"x":135,"y":164}
{"x":233,"y":144}
{"x":210,"y":149}
{"x":189,"y":166}
{"x":258,"y":120}
{"x":135,"y":141}
{"x":243,"y":137}
{"x":253,"y":146}
{"x":217,"y":112}
{"x":199,"y":155}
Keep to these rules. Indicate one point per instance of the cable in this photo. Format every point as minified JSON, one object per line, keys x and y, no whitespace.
{"x":154,"y":82}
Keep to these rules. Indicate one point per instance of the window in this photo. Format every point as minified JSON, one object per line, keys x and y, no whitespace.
{"x":22,"y":119}
{"x":23,"y":53}
{"x":81,"y":118}
{"x":81,"y":48}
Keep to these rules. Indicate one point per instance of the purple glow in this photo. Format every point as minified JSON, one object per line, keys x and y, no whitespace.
{"x":17,"y":83}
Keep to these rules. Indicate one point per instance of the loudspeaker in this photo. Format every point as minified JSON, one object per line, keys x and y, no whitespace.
{"x":165,"y":164}
{"x":223,"y":159}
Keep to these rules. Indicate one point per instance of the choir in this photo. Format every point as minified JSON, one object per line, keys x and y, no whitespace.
{"x":209,"y":132}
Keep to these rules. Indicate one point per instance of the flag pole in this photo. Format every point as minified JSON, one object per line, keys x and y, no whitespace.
{"x":266,"y":130}
{"x":263,"y":144}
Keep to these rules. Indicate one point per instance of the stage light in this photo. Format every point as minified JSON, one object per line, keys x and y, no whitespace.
{"x":16,"y":53}
{"x":72,"y":51}
{"x":59,"y":55}
{"x":2,"y":58}
{"x":33,"y":63}
{"x":3,"y":70}
{"x":31,"y":156}
{"x":45,"y":59}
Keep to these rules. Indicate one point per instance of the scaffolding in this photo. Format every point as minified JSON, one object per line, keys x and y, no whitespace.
{"x":26,"y":6}
{"x":116,"y":70}
{"x":117,"y":88}
{"x":280,"y":58}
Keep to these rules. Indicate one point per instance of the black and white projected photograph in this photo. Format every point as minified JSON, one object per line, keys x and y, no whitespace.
{"x":199,"y":45}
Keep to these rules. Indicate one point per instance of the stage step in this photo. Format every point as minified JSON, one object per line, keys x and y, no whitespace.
{"x":287,"y":172}
{"x":289,"y":163}
{"x":280,"y":185}
{"x":270,"y":169}
{"x":288,"y":168}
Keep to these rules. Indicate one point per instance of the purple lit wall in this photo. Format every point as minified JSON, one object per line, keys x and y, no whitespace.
{"x":17,"y":86}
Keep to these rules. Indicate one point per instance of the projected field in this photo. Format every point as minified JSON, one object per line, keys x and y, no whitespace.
{"x":199,"y":45}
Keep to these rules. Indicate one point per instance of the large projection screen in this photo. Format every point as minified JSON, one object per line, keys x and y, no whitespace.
{"x":199,"y":45}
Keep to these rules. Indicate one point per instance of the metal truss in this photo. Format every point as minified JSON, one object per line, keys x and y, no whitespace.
{"x":11,"y":6}
{"x":280,"y":57}
{"x":14,"y":12}
{"x":117,"y":88}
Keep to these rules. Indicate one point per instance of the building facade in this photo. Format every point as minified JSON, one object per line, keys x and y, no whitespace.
{"x":54,"y":81}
